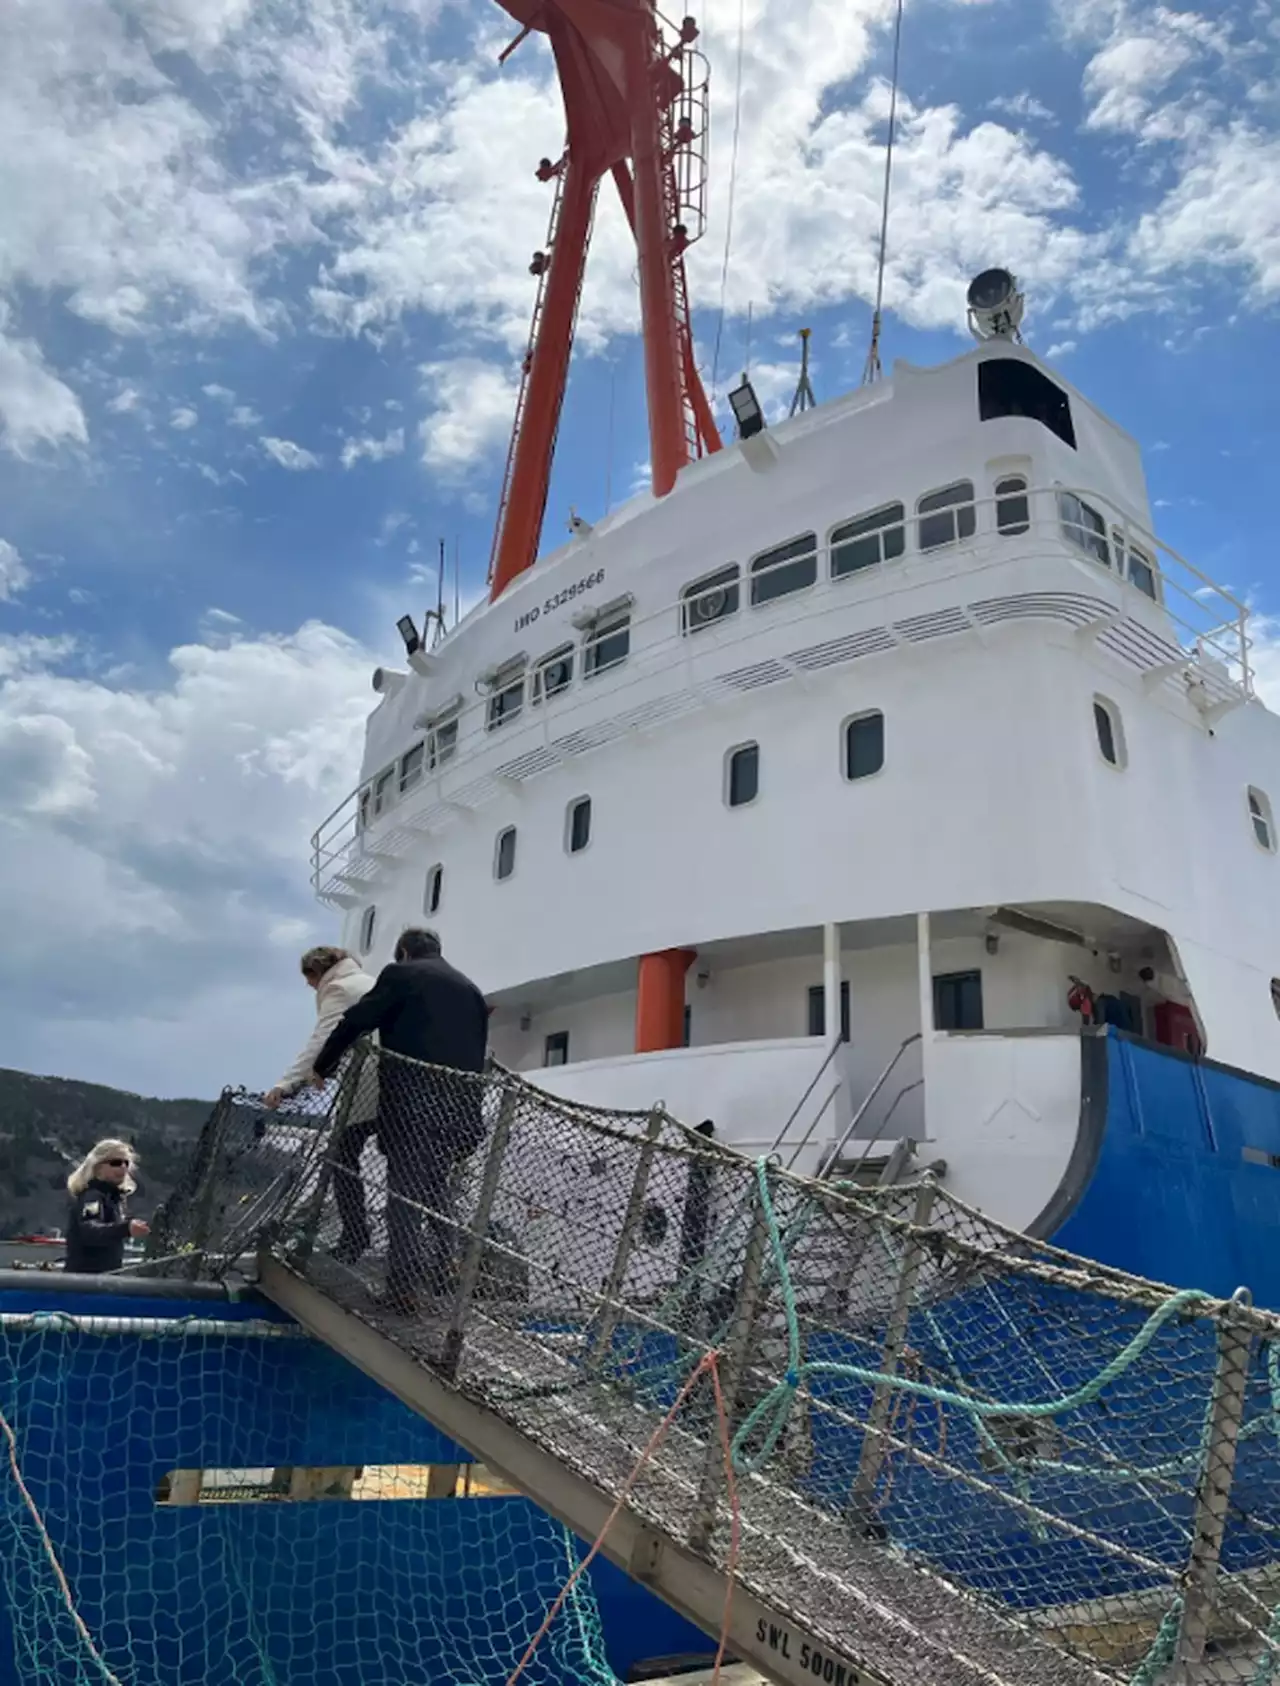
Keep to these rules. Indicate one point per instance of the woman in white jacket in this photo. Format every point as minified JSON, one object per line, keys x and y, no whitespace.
{"x":339,"y":982}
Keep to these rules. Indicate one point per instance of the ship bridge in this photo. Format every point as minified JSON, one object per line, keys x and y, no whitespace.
{"x":863,"y":1437}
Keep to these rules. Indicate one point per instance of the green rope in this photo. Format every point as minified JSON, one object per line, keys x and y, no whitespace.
{"x":1160,"y":1655}
{"x":1269,"y":1662}
{"x":775,"y":1408}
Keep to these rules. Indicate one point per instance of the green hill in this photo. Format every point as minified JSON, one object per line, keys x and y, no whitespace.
{"x":48,"y":1124}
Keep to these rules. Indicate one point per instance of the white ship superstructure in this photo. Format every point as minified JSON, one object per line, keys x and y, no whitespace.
{"x":891,"y":720}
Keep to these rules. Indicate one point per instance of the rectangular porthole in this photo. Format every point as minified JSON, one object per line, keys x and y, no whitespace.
{"x":578,"y":825}
{"x":742,"y":775}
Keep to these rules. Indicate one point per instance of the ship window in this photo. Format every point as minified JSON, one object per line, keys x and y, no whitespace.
{"x":1009,"y":387}
{"x":1084,"y":527}
{"x":1110,"y":733}
{"x":1264,"y":830}
{"x":1138,"y":566}
{"x":709,"y":600}
{"x":555,"y":1048}
{"x":434,"y":890}
{"x":868,"y":539}
{"x":368,"y":924}
{"x":957,"y":1001}
{"x":1275,"y":995}
{"x":786,"y":568}
{"x":506,"y":699}
{"x":578,"y":826}
{"x":504,"y":853}
{"x":362,"y":813}
{"x":553,"y":674}
{"x":442,"y":743}
{"x":742,"y":766}
{"x":411,"y":766}
{"x":946,"y":516}
{"x":383,"y":791}
{"x":818,"y":1010}
{"x":864,"y":745}
{"x":1013,"y":510}
{"x":607,"y":643}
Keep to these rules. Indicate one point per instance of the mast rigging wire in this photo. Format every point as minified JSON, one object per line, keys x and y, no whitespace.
{"x":733,"y":183}
{"x":872,"y":370}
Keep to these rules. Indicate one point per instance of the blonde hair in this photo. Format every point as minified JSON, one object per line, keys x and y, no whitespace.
{"x":82,"y":1176}
{"x":317,"y":961}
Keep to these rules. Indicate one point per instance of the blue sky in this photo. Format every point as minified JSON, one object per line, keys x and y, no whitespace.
{"x":263,"y":290}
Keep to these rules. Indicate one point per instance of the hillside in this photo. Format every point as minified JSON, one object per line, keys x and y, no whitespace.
{"x":48,"y":1124}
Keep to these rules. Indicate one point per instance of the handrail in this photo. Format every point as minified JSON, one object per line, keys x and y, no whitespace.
{"x":879,"y":1084}
{"x":1224,"y":639}
{"x":799,"y":1106}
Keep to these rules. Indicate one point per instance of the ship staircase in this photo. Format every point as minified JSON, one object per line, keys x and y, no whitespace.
{"x":862,"y":1435}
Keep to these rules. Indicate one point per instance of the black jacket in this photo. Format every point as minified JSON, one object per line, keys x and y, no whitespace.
{"x":426,"y":1009}
{"x":97,"y":1229}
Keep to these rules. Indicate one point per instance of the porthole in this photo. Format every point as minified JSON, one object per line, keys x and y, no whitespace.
{"x":863,"y":745}
{"x":577,"y":832}
{"x":1109,"y":731}
{"x":368,"y":925}
{"x":434,"y":890}
{"x":742,"y":775}
{"x":504,"y":853}
{"x":1264,"y":830}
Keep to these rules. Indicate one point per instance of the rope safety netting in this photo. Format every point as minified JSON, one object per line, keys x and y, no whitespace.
{"x":954,"y":1453}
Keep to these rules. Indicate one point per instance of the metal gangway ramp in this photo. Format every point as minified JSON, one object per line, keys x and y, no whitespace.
{"x":867,"y":1437}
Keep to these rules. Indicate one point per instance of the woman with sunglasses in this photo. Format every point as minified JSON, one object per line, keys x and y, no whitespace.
{"x":97,"y":1223}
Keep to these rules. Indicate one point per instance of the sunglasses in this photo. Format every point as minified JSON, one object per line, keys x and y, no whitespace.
{"x":116,"y":1162}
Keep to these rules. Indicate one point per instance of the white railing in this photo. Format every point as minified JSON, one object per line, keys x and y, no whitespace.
{"x":1179,"y":621}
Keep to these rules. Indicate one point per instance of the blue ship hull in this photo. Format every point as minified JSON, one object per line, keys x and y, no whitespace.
{"x":1176,"y":1173}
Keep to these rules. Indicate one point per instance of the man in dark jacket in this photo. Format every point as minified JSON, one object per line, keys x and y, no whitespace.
{"x":425,"y":1009}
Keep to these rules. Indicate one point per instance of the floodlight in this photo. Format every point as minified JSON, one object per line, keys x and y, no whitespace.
{"x":995,"y":305}
{"x":746,"y":410}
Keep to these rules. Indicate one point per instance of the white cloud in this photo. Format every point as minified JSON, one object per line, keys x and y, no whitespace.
{"x":1023,"y":105}
{"x":243,"y":415}
{"x":127,"y":399}
{"x":36,"y":407}
{"x":1223,"y":211}
{"x":472,"y":408}
{"x":184,"y":418}
{"x":219,"y":394}
{"x":14,"y":573}
{"x":170,"y":826}
{"x":289,"y":455}
{"x":371,"y":449}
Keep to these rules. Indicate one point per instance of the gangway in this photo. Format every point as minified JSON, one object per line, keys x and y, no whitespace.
{"x":865,"y":1436}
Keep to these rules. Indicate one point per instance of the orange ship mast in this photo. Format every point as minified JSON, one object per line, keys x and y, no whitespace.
{"x":635,"y":100}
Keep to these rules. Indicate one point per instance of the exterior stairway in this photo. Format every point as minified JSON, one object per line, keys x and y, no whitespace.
{"x":866,"y":1435}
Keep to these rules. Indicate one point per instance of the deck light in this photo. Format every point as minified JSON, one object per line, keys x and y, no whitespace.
{"x":746,"y":410}
{"x":409,"y":632}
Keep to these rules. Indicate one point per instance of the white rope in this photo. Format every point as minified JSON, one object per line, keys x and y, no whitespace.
{"x":872,"y":370}
{"x":733,"y":183}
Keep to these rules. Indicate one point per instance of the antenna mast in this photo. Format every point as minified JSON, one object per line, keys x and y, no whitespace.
{"x":804,"y":399}
{"x":635,"y":101}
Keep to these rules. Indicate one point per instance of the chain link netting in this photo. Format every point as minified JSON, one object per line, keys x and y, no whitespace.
{"x":960,"y":1454}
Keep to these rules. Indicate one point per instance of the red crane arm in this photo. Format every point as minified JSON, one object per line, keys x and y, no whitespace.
{"x":630,"y":98}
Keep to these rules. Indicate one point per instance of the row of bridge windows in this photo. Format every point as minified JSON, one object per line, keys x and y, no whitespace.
{"x":942,"y":517}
